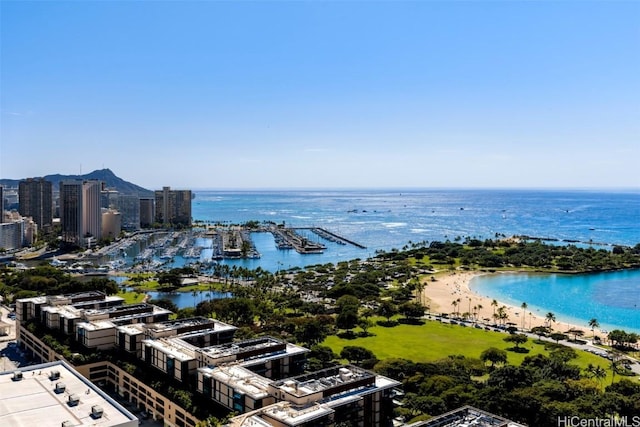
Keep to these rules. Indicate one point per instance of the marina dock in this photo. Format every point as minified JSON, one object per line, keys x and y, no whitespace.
{"x":332,"y":237}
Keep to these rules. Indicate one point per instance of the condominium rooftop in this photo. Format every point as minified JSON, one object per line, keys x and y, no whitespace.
{"x":121,"y":310}
{"x":80,"y":297}
{"x":54,"y":394}
{"x":257,"y":348}
{"x":324,"y":381}
{"x":183,"y":326}
{"x":177,"y":348}
{"x":467,"y":416}
{"x":132,"y":329}
{"x":291,"y":415}
{"x":240,"y":379}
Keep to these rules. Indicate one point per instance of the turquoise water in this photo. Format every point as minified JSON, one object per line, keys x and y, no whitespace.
{"x":613,"y":298}
{"x":387,"y":219}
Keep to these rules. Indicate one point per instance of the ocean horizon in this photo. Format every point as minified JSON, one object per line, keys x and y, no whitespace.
{"x":384,"y":219}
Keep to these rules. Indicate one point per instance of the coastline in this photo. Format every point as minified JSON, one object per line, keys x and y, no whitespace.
{"x":440,"y":294}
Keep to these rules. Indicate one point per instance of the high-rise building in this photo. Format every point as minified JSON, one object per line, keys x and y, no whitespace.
{"x":111,"y":223}
{"x":129,"y":207}
{"x":173,"y":207}
{"x":80,"y":213}
{"x":91,"y":210}
{"x":1,"y":205}
{"x":147,"y":212}
{"x":71,"y":196}
{"x":35,"y":199}
{"x":12,"y":235}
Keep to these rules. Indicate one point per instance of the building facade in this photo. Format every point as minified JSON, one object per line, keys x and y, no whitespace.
{"x":71,"y":202}
{"x":173,"y":207}
{"x":1,"y":204}
{"x":12,"y":235}
{"x":80,"y":212}
{"x":147,"y":212}
{"x":35,"y":200}
{"x":261,"y":377}
{"x":129,"y":208}
{"x":91,"y":210}
{"x":111,"y":223}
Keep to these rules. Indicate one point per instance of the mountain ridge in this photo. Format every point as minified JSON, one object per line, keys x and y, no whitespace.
{"x":111,"y":180}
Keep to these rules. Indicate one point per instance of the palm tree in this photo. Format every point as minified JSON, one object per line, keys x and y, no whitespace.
{"x":419,"y":287}
{"x":593,"y":323}
{"x":524,"y":306}
{"x":502,"y":314}
{"x":454,"y":303}
{"x":494,"y":304}
{"x":596,"y":371}
{"x":550,"y":317}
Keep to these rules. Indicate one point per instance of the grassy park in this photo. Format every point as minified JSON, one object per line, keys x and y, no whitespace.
{"x":434,"y":340}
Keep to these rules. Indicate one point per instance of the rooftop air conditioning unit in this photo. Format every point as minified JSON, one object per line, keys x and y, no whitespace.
{"x":60,"y":387}
{"x":73,"y":400}
{"x":67,"y":424}
{"x":17,"y":375}
{"x":96,"y":411}
{"x":54,"y":375}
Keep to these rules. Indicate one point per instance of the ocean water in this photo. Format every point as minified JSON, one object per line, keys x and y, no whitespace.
{"x":613,"y":298}
{"x":386,"y":219}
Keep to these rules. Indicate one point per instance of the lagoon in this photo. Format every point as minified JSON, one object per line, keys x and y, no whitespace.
{"x":613,"y":298}
{"x":189,"y":299}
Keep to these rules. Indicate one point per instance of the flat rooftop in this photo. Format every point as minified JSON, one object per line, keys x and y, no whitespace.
{"x":175,"y":325}
{"x":67,"y":311}
{"x":467,"y":416}
{"x":178,"y":349}
{"x":241,"y":379}
{"x":257,"y":348}
{"x":118,"y":309}
{"x":132,"y":329}
{"x":332,"y":378}
{"x":292,"y":415}
{"x":34,"y":401}
{"x":96,"y":325}
{"x":76,"y":297}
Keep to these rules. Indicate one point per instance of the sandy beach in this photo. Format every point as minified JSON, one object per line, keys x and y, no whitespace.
{"x":440,"y":294}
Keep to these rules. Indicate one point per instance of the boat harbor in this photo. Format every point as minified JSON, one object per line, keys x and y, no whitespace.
{"x":202,"y":247}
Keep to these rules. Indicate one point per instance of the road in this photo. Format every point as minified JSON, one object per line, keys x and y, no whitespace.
{"x":588,"y":346}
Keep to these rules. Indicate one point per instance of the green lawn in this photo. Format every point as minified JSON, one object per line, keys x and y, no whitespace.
{"x":435,"y":340}
{"x":131,"y":297}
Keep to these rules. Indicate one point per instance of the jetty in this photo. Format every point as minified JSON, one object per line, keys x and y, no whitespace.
{"x":288,"y":238}
{"x":333,"y":237}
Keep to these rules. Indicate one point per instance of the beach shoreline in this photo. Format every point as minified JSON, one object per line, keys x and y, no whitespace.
{"x":440,"y":293}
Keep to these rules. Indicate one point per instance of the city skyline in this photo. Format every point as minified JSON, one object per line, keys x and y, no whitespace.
{"x":250,"y":95}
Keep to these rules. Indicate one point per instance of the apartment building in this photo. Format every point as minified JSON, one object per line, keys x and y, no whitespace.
{"x":55,"y":394}
{"x":260,"y":378}
{"x":80,"y":212}
{"x":323,"y":398}
{"x":35,"y":200}
{"x":173,"y":207}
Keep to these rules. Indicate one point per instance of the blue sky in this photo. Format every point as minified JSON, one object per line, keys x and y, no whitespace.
{"x":309,"y":94}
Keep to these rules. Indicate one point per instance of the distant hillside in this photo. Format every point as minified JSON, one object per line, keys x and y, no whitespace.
{"x":106,"y":175}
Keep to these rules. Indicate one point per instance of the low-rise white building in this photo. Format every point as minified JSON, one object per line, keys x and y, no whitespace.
{"x":54,"y":394}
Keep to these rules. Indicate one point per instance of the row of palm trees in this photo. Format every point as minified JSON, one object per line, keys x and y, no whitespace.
{"x":550,"y":317}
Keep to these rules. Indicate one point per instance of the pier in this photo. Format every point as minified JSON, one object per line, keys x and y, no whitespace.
{"x":287,"y":238}
{"x":332,"y":237}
